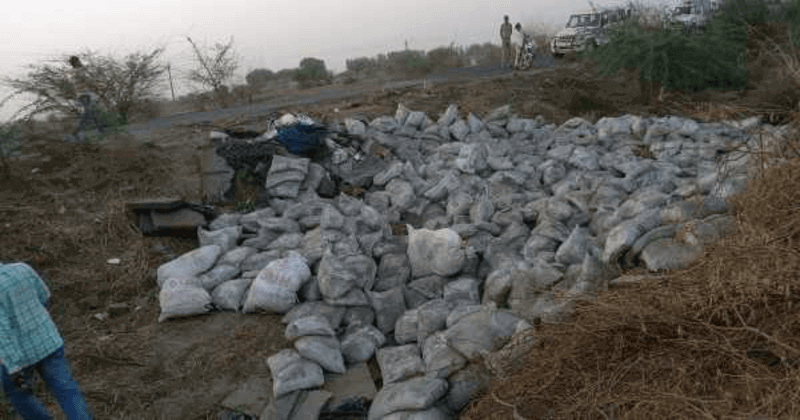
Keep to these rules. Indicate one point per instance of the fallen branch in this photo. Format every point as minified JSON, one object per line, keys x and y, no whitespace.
{"x":765,"y":335}
{"x":515,"y":414}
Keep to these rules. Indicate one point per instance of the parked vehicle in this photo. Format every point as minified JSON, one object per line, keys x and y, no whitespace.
{"x":527,"y":54}
{"x":587,"y":29}
{"x":693,"y":15}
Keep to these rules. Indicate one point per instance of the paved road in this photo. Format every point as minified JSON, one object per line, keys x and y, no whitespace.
{"x":322,"y":95}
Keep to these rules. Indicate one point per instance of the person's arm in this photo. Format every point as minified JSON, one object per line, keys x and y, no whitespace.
{"x":48,"y":297}
{"x":43,"y":292}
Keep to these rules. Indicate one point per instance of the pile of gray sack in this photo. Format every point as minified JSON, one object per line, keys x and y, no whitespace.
{"x":509,"y":220}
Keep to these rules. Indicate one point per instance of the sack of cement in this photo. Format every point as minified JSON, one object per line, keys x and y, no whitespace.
{"x":292,"y":372}
{"x":189,"y":264}
{"x":289,"y":273}
{"x":182,"y":296}
{"x":435,"y":252}
{"x":275,"y":288}
{"x":229,"y":295}
{"x":224,"y":238}
{"x":326,"y":351}
{"x":265,"y":297}
{"x":418,"y":393}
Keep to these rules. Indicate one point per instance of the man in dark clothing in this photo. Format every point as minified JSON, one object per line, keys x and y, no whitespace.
{"x":505,"y":35}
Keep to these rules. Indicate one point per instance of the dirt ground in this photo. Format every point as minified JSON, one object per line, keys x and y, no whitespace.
{"x":62,"y":210}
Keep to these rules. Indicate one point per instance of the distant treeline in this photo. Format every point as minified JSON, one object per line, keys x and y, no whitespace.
{"x":410,"y":61}
{"x":397,"y":64}
{"x":312,"y":71}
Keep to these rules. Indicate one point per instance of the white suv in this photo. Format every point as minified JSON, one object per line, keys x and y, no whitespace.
{"x":692,"y":15}
{"x":586,"y":28}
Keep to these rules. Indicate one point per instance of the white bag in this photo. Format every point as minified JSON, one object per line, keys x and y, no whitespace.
{"x":225,"y":238}
{"x":230,"y":294}
{"x":275,"y":288}
{"x":269,"y":297}
{"x":291,"y":372}
{"x":216,"y":276}
{"x":182,"y":296}
{"x":288,"y":273}
{"x":435,"y":252}
{"x":191,"y":263}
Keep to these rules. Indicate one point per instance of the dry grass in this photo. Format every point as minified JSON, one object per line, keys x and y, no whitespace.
{"x":774,"y":66}
{"x":67,"y":221}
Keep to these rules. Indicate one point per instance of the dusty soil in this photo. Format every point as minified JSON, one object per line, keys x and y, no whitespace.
{"x":62,"y":210}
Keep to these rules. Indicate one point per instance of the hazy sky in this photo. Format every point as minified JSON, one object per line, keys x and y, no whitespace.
{"x":273,"y":34}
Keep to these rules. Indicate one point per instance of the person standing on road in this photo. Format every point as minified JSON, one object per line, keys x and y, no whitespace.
{"x":86,"y":98}
{"x":30,"y":342}
{"x":517,"y":42}
{"x":505,"y":35}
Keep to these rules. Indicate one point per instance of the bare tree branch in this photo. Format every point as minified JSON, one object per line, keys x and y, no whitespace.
{"x":214,"y":69}
{"x":121,"y":85}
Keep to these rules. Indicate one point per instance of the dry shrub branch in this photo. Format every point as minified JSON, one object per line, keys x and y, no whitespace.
{"x":720,"y":339}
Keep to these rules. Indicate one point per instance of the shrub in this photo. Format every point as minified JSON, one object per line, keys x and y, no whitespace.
{"x":10,"y":146}
{"x":312,"y":72}
{"x":485,"y":53}
{"x":438,"y":57}
{"x":677,"y":60}
{"x":408,"y":62}
{"x":120,"y":84}
{"x":243,"y":93}
{"x":361,"y":64}
{"x":146,"y":110}
{"x":259,"y":77}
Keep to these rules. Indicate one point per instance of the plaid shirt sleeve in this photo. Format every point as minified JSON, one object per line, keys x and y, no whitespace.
{"x":27,"y":333}
{"x":43,"y":291}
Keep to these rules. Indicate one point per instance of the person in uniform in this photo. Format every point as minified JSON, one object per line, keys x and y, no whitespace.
{"x":505,"y":35}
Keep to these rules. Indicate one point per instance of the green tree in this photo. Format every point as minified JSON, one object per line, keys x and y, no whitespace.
{"x":677,"y":60}
{"x":361,"y":65}
{"x":285,"y":74}
{"x":410,"y":62}
{"x":438,"y":57}
{"x":312,"y":72}
{"x":259,"y":77}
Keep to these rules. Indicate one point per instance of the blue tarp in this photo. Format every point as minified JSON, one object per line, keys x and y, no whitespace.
{"x":302,"y":139}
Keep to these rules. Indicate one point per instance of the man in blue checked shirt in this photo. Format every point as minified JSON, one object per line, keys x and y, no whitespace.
{"x":29,"y":341}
